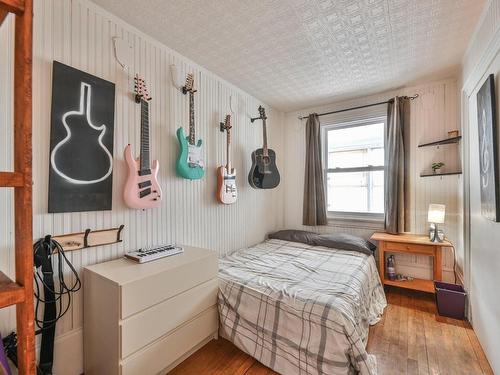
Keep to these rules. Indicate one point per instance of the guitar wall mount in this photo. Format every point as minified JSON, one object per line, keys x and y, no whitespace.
{"x":261,"y":117}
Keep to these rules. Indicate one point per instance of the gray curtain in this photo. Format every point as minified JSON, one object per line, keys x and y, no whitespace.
{"x":396,"y":165}
{"x":314,"y":210}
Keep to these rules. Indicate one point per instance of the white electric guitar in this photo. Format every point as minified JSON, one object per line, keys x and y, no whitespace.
{"x":226,"y":175}
{"x":142,"y":189}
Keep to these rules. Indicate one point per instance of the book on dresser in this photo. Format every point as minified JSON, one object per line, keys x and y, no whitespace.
{"x":146,"y":318}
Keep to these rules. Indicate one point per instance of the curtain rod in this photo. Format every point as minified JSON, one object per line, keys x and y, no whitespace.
{"x":361,"y":106}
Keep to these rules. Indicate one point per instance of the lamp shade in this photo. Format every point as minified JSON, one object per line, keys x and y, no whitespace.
{"x":436,"y":213}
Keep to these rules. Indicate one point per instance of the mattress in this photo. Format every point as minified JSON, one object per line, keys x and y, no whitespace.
{"x":301,"y":309}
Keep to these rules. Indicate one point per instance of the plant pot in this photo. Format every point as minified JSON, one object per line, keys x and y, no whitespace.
{"x":436,"y":171}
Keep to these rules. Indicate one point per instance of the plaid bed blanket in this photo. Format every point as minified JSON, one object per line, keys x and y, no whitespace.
{"x":301,"y":309}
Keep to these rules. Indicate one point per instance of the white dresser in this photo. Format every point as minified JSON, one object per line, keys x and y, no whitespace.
{"x":142,"y":319}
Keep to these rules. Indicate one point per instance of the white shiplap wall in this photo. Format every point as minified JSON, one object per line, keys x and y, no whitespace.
{"x":432,"y":115}
{"x":482,"y":236}
{"x":79,"y":33}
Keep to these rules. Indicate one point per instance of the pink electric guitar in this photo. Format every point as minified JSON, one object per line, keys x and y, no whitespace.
{"x":142,"y":189}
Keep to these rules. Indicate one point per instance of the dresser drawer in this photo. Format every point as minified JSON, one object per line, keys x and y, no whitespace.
{"x":148,"y":291}
{"x":409,"y":248}
{"x":149,"y":325}
{"x":160,"y":354}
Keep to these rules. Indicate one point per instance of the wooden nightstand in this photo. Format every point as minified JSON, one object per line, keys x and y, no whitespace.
{"x":413,"y":244}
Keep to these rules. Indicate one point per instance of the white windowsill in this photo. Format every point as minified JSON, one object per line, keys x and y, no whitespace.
{"x":356,"y":220}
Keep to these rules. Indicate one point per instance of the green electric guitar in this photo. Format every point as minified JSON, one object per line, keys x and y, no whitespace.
{"x":190,"y":162}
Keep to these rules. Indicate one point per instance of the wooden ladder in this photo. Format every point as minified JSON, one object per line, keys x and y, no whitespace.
{"x":20,"y":292}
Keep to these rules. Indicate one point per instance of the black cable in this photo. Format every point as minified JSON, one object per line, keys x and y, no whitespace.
{"x":454,"y":263}
{"x":61,"y":289}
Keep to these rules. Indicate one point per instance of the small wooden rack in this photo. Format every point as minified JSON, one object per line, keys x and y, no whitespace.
{"x":20,"y":291}
{"x":89,"y":238}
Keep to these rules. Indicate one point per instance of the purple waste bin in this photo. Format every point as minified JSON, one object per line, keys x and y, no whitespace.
{"x":450,"y":299}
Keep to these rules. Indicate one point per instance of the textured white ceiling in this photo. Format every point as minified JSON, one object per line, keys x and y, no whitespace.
{"x":293,"y":54}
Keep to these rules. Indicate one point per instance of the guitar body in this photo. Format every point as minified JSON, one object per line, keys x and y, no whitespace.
{"x":226,"y":185}
{"x":182,"y":165}
{"x":141,"y":192}
{"x":264,"y":173}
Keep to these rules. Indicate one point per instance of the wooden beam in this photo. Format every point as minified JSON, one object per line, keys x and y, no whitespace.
{"x":10,"y":292}
{"x":3,"y":15}
{"x":11,"y":179}
{"x":13,"y":6}
{"x":23,"y":201}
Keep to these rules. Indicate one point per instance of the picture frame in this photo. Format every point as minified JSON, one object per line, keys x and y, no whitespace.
{"x":488,"y":150}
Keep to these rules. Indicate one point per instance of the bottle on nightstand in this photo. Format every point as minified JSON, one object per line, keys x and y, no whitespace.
{"x":391,"y":269}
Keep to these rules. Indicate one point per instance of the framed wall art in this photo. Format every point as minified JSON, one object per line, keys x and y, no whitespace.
{"x":81,"y":141}
{"x":488,"y":150}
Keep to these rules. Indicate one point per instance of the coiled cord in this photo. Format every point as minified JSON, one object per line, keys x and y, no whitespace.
{"x":61,"y":288}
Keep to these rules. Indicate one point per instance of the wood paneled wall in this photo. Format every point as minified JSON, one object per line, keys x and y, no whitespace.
{"x":79,"y":33}
{"x":433,"y":114}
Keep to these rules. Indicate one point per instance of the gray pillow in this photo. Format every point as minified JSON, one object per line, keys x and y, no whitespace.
{"x":345,"y":241}
{"x":301,"y":236}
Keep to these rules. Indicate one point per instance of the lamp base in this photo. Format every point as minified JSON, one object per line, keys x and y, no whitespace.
{"x":434,"y":234}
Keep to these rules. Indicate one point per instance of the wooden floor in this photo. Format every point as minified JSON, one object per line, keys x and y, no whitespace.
{"x":410,"y":339}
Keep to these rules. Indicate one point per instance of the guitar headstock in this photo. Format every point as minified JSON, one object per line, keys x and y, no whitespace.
{"x":262,"y":112}
{"x":189,"y":86}
{"x":140,"y":89}
{"x":226,"y":125}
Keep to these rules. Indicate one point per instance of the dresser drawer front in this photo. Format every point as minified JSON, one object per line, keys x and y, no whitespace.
{"x":409,"y":248}
{"x":144,"y":293}
{"x":159,"y":355}
{"x":151,"y":324}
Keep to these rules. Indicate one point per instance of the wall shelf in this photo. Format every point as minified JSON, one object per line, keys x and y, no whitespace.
{"x":430,"y":174}
{"x":446,"y":141}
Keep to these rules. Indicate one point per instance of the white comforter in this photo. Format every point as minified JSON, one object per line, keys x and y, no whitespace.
{"x":300,"y":309}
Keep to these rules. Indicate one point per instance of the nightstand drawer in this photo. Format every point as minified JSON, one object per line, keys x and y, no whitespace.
{"x":409,"y":248}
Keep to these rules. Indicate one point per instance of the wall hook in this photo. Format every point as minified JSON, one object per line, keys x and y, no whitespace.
{"x":86,"y":238}
{"x":231,"y":104}
{"x":119,"y":234}
{"x":122,"y":52}
{"x":252,"y":119}
{"x":175,"y":77}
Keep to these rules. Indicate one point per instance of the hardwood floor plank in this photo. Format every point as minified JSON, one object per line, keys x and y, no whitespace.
{"x":411,"y":338}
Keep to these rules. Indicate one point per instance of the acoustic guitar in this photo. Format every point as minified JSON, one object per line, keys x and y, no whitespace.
{"x":226,"y":175}
{"x":190,"y":162}
{"x":264,"y":172}
{"x":142,"y":189}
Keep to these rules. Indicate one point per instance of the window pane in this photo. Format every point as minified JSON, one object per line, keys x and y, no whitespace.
{"x":358,"y":146}
{"x":356,"y":192}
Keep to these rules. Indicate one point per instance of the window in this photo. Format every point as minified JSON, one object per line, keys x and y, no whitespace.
{"x":354,"y":160}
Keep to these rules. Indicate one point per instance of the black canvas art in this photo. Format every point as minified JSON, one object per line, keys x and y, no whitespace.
{"x":488,"y":165}
{"x":81,"y":141}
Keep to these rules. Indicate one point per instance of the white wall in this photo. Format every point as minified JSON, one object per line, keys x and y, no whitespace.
{"x":433,"y":114}
{"x":78,"y":33}
{"x":482,"y":235}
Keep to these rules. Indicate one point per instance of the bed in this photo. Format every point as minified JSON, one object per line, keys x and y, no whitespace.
{"x":301,"y":309}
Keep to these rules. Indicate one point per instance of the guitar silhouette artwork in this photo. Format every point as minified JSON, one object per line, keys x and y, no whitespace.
{"x":74,"y":158}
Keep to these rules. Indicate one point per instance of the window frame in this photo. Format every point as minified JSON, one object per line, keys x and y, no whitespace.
{"x":369,"y":217}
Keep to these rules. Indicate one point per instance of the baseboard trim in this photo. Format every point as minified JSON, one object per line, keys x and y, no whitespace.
{"x":186,"y":355}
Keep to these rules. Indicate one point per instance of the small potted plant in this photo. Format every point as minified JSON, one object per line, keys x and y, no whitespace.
{"x":436,"y":167}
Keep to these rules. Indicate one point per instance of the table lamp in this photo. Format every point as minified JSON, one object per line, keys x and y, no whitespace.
{"x":436,"y":216}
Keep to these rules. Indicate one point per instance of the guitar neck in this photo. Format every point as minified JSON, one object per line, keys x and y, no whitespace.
{"x":192,"y":138}
{"x":264,"y":136}
{"x":228,"y":153}
{"x":144,"y":156}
